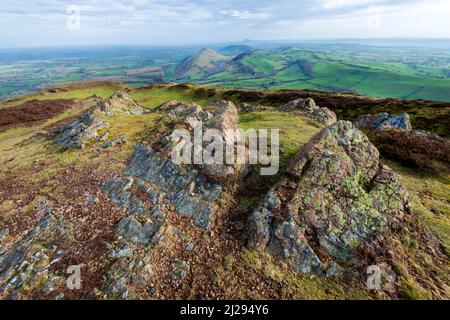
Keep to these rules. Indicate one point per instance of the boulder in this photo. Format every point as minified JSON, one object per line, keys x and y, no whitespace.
{"x":383,"y":121}
{"x":119,"y":103}
{"x":336,"y":199}
{"x":309,"y":108}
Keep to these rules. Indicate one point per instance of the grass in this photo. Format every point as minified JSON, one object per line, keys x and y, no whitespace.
{"x":79,"y":91}
{"x":295,"y":130}
{"x":430,"y":200}
{"x":153,"y":97}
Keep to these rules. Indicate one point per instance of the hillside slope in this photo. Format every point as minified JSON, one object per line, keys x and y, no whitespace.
{"x":295,"y":68}
{"x":112,"y":207}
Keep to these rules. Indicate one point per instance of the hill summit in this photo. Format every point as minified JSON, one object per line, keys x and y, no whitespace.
{"x":204,"y":63}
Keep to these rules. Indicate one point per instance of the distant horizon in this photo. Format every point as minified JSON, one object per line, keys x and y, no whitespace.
{"x":342,"y":41}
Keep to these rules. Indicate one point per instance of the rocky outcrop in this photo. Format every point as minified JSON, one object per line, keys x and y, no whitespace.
{"x":120,"y":103}
{"x":193,"y":190}
{"x":128,"y":271}
{"x":89,"y":125}
{"x":383,"y":121}
{"x":26,"y":266}
{"x":337,"y":199}
{"x":76,"y":134}
{"x":246,"y":107}
{"x":309,"y":108}
{"x":221,"y":116}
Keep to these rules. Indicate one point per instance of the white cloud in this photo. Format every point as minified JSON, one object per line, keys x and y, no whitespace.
{"x":246,"y":14}
{"x":333,"y":4}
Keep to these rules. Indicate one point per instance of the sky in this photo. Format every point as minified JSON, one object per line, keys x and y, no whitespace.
{"x":38,"y":23}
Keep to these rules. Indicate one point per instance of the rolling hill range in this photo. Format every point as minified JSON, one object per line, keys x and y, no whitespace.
{"x":294,"y":68}
{"x":374,"y":71}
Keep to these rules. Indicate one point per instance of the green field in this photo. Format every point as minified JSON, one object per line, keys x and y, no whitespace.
{"x":384,"y":72}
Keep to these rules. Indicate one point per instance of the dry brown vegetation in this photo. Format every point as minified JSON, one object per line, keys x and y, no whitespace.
{"x":413,"y":150}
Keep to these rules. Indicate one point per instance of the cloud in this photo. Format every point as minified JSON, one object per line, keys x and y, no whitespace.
{"x":246,"y":14}
{"x":43,"y":22}
{"x":333,"y":4}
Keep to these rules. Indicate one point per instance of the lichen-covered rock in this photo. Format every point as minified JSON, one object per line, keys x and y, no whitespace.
{"x":383,"y":121}
{"x":120,"y":103}
{"x":337,"y":199}
{"x":309,"y":108}
{"x":246,"y":107}
{"x":25,"y":268}
{"x":87,"y":127}
{"x":126,"y":274}
{"x":221,"y":116}
{"x":76,"y":134}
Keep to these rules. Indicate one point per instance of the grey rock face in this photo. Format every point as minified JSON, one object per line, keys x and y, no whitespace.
{"x":338,"y":198}
{"x":86,"y":128}
{"x":125,"y":274}
{"x":76,"y":134}
{"x":186,"y":189}
{"x":309,"y":108}
{"x":123,"y":250}
{"x":143,"y":229}
{"x":383,"y":121}
{"x":222,"y":115}
{"x":26,"y":266}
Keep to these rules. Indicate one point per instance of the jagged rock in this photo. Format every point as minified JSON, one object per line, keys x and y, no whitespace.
{"x":144,"y":229}
{"x":192,"y":190}
{"x":338,"y":198}
{"x":120,"y":103}
{"x":309,"y":108}
{"x":86,"y":128}
{"x":125,"y":274}
{"x":118,"y":190}
{"x":187,"y":190}
{"x":76,"y":134}
{"x":246,"y":107}
{"x":26,"y":266}
{"x":383,"y":121}
{"x":223,"y":117}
